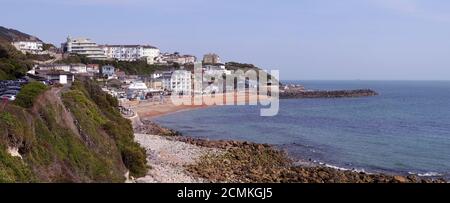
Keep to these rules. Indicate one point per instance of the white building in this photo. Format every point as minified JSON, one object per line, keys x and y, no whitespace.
{"x":138,"y":86}
{"x":33,"y":47}
{"x":92,"y":68}
{"x":131,"y":52}
{"x":157,"y":74}
{"x":54,"y":67}
{"x":84,"y":47}
{"x":179,"y":81}
{"x":78,"y":68}
{"x":167,"y":58}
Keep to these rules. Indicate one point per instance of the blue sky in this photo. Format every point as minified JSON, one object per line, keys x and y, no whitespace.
{"x":304,"y":39}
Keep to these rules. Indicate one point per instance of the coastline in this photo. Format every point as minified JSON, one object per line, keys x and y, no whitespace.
{"x":206,"y":159}
{"x":180,"y":159}
{"x":153,"y":109}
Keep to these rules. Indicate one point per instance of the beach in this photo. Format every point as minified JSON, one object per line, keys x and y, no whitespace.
{"x":152,"y":109}
{"x":180,"y":159}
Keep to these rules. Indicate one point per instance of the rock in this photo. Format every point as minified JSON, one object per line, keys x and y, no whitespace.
{"x":293,"y":94}
{"x":400,"y":179}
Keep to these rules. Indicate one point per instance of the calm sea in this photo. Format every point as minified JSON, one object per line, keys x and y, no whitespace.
{"x":404,"y":130}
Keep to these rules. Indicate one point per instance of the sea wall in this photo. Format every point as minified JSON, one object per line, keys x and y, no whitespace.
{"x":297,"y":94}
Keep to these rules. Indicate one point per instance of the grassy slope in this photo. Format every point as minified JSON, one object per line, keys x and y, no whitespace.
{"x":52,"y":151}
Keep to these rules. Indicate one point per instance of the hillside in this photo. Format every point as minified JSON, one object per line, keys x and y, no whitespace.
{"x":67,"y":135}
{"x":15,"y":35}
{"x":13,"y":64}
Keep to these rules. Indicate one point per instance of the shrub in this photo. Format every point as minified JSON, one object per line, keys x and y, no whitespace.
{"x":29,"y":93}
{"x":133,"y":157}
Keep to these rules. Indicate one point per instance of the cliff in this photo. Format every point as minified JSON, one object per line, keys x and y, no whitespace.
{"x":67,"y":135}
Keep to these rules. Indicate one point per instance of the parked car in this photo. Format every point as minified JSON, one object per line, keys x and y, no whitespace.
{"x":14,"y":88}
{"x":48,"y":82}
{"x":13,"y":92}
{"x":9,"y":97}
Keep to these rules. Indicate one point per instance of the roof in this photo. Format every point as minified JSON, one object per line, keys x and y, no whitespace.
{"x":138,"y":86}
{"x":53,"y":72}
{"x":129,"y":46}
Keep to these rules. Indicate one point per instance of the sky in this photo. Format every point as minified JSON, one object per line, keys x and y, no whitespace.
{"x":303,"y":39}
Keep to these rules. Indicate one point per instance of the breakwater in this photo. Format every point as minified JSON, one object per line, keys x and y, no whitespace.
{"x":297,"y":94}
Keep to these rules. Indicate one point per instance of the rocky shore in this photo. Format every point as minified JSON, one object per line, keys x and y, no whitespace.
{"x":185,"y":159}
{"x":298,"y":94}
{"x":151,"y":128}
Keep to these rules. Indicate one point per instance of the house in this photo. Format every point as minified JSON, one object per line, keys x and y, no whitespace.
{"x":216,"y":70}
{"x":167,"y":58}
{"x":138,"y":86}
{"x":61,"y":77}
{"x":78,"y":68}
{"x":54,"y":67}
{"x":121,"y":75}
{"x":211,"y":58}
{"x":157,"y":74}
{"x":108,"y":71}
{"x":32,"y":47}
{"x":92,"y":68}
{"x":156,"y":84}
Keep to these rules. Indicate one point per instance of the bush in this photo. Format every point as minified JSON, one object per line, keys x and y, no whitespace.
{"x":116,"y":127}
{"x":29,"y":93}
{"x":133,"y":157}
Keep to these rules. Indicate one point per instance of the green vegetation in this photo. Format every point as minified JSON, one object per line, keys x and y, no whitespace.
{"x":130,"y":68}
{"x":39,"y":57}
{"x":105,"y":113}
{"x":12,"y":169}
{"x":28,"y":94}
{"x":80,"y":137}
{"x":47,"y":46}
{"x":90,"y":142}
{"x":13,"y":64}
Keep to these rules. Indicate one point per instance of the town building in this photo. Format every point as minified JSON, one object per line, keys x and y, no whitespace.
{"x":108,"y":71}
{"x":131,"y":52}
{"x":61,"y":77}
{"x":218,"y":69}
{"x":211,"y":58}
{"x":156,"y":84}
{"x":92,"y":68}
{"x":78,"y":68}
{"x":168,"y":58}
{"x":32,"y":47}
{"x":83,"y":46}
{"x":178,"y":82}
{"x":157,"y":74}
{"x":54,"y":67}
{"x":121,"y":75}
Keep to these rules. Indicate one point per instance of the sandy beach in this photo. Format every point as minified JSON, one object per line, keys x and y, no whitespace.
{"x":152,"y":109}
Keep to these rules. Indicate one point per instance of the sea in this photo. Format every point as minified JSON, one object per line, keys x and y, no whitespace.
{"x":405,"y":130}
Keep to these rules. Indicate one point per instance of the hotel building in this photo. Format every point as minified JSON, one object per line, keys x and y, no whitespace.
{"x":84,"y":47}
{"x":131,"y":52}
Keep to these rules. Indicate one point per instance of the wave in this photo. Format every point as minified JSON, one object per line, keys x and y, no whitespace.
{"x":340,"y":168}
{"x":427,"y":174}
